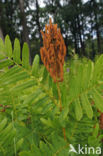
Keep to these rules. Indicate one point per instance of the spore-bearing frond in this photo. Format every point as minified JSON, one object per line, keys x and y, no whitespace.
{"x":53,"y":51}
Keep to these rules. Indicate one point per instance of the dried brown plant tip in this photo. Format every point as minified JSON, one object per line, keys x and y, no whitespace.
{"x":101,"y":121}
{"x":53,"y":51}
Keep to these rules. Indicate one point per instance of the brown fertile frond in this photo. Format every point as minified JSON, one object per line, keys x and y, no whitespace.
{"x":53,"y":51}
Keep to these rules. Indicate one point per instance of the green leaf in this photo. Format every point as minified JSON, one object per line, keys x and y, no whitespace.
{"x":17,"y":77}
{"x":19,"y":143}
{"x":11,"y":72}
{"x":3,"y":124}
{"x":9,"y":136}
{"x":92,"y":141}
{"x":32,"y":97}
{"x":50,"y":81}
{"x":5,"y":63}
{"x":98,"y":68}
{"x":98,"y":99}
{"x":25,"y":56}
{"x":64,"y":113}
{"x":2,"y":57}
{"x":8,"y":46}
{"x":45,"y":74}
{"x":78,"y":110}
{"x":23,"y":86}
{"x":25,"y":153}
{"x":96,"y":130}
{"x":64,"y":95}
{"x":75,"y":82}
{"x":35,"y":66}
{"x":47,"y":122}
{"x":2,"y":47}
{"x":36,"y":150}
{"x":87,"y":105}
{"x":16,"y":52}
{"x":55,"y":90}
{"x":6,"y":131}
{"x":87,"y":75}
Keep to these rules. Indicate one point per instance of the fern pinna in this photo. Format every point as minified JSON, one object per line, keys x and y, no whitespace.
{"x":40,"y":116}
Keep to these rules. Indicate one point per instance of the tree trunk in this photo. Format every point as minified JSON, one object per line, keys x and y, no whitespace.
{"x":1,"y":34}
{"x":37,"y":21}
{"x":74,"y":28}
{"x":98,"y":34}
{"x":80,"y":37}
{"x":98,"y":39}
{"x":97,"y":26}
{"x":66,"y":43}
{"x":91,"y":37}
{"x":75,"y":43}
{"x":1,"y":31}
{"x":24,"y":25}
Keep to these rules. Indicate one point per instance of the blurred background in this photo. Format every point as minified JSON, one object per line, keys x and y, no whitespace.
{"x":80,"y":21}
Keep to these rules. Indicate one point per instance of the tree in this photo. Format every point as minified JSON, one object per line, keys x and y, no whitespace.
{"x":1,"y":34}
{"x":79,"y":22}
{"x":9,"y":19}
{"x":37,"y":20}
{"x":25,"y":34}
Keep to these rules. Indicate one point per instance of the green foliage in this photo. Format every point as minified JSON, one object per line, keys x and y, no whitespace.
{"x":25,"y":56}
{"x":35,"y":66}
{"x":84,"y":81}
{"x":30,"y":119}
{"x":16,"y":52}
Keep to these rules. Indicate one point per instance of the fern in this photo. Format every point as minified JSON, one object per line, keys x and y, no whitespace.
{"x":7,"y":138}
{"x":29,"y":99}
{"x":85,"y":80}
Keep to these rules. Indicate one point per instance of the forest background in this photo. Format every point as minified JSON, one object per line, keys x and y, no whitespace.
{"x":80,"y":21}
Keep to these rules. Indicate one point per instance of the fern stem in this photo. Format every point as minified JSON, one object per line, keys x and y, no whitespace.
{"x":59,"y":95}
{"x":64,"y":133}
{"x":60,"y":106}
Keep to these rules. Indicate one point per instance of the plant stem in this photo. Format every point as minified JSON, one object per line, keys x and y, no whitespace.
{"x":63,"y":129}
{"x":59,"y":95}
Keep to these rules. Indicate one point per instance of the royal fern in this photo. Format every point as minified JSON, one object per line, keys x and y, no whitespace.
{"x":30,"y":119}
